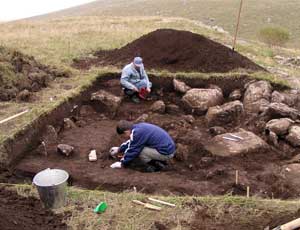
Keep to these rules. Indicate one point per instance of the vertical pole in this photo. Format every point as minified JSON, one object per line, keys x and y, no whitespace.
{"x":248,"y":191}
{"x":237,"y":25}
{"x":236,"y":177}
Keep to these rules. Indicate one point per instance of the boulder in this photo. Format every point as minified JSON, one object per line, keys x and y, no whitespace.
{"x":199,"y":100}
{"x":182,"y":152}
{"x":158,"y":107}
{"x":69,"y":124}
{"x":226,"y":145}
{"x":49,"y":136}
{"x":279,"y":126}
{"x":235,"y":95}
{"x":288,"y":98}
{"x":172,"y":109}
{"x":212,"y":86}
{"x":224,"y":114}
{"x":277,"y":110}
{"x":257,"y":96}
{"x":294,"y":136}
{"x":217,"y":130}
{"x":64,"y":149}
{"x":110,"y":101}
{"x":180,"y":86}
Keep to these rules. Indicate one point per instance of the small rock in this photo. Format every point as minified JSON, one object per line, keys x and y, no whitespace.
{"x":158,"y":107}
{"x":24,"y":95}
{"x":217,"y":130}
{"x":189,"y":118}
{"x":294,"y":136}
{"x":65,"y":149}
{"x":235,"y":95}
{"x":142,"y":118}
{"x":273,"y":138}
{"x":69,"y":124}
{"x":180,"y":86}
{"x":172,"y":109}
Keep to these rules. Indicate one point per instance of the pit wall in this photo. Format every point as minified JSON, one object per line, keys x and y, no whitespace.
{"x":12,"y":150}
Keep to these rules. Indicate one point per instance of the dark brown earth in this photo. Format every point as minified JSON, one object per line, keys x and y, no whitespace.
{"x":175,"y":51}
{"x":26,"y":213}
{"x":200,"y":174}
{"x":21,"y":75}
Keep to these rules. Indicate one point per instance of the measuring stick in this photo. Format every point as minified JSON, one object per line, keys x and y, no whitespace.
{"x":146,"y":205}
{"x":14,"y":116}
{"x":161,"y":202}
{"x":236,"y":177}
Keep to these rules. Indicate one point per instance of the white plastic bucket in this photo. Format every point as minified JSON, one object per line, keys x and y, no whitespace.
{"x":51,"y":185}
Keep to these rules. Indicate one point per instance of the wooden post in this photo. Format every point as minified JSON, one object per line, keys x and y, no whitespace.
{"x":248,"y":191}
{"x":14,"y":116}
{"x":237,"y":25}
{"x":236,"y":177}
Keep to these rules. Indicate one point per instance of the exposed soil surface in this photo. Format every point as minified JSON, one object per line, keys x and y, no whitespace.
{"x":26,"y":213}
{"x":173,"y":50}
{"x":198,"y":173}
{"x":22,"y":75}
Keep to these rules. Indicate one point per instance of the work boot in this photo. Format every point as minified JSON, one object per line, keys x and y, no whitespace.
{"x":135,"y":99}
{"x":150,"y":169}
{"x":158,"y":165}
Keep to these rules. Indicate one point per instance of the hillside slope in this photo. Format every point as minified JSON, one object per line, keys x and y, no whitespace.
{"x":256,"y":14}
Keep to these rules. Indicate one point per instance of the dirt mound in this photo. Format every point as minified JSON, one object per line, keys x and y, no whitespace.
{"x":174,"y":50}
{"x":21,"y":75}
{"x":17,"y":212}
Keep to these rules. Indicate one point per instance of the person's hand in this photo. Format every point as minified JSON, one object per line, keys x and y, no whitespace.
{"x":148,"y":90}
{"x":114,"y":151}
{"x":116,"y":165}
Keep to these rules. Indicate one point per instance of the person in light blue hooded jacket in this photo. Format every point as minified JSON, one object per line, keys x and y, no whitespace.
{"x":134,"y":78}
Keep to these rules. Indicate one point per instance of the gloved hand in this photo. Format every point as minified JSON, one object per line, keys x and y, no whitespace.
{"x":114,"y":151}
{"x":116,"y":165}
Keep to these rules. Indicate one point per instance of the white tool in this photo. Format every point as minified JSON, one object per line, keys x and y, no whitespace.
{"x":235,"y":136}
{"x":230,"y":139}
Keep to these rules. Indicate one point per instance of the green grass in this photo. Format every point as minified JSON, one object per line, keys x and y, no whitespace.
{"x":123,"y":214}
{"x":256,"y":14}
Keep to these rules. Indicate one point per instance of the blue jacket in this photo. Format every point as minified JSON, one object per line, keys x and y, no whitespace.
{"x":146,"y":135}
{"x":130,"y":76}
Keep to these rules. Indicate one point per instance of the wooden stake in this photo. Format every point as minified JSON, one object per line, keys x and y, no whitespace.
{"x":237,"y":25}
{"x":290,"y":225}
{"x":161,"y":202}
{"x":14,"y":116}
{"x":236,"y":177}
{"x":248,"y":191}
{"x":147,"y":205}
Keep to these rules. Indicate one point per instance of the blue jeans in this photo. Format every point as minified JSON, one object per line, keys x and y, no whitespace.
{"x":139,"y":85}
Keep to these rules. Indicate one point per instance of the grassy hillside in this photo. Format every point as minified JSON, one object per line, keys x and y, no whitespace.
{"x":256,"y":14}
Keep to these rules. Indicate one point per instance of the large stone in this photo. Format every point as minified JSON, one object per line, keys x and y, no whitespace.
{"x":288,"y":98}
{"x":279,"y":126}
{"x":226,"y":145}
{"x":199,"y":100}
{"x":224,"y":114}
{"x":24,"y":95}
{"x":257,"y":97}
{"x":110,"y":101}
{"x":277,"y":110}
{"x":49,"y":136}
{"x":235,"y":95}
{"x":180,"y":86}
{"x":294,"y":136}
{"x":65,"y":149}
{"x":158,"y":107}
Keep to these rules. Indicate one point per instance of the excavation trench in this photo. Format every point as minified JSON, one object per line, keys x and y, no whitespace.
{"x":196,"y":172}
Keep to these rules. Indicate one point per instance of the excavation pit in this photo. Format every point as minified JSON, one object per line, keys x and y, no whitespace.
{"x":86,"y":124}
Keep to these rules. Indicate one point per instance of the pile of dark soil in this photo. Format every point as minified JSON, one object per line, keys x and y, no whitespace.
{"x":21,"y":75}
{"x":17,"y":212}
{"x":174,"y":50}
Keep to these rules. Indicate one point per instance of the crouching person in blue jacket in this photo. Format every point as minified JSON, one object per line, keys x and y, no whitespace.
{"x":150,"y":143}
